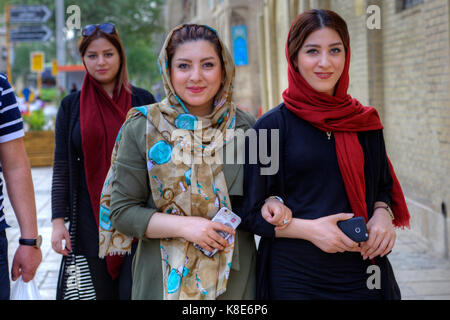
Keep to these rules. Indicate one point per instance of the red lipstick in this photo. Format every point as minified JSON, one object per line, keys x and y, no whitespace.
{"x":323,"y":75}
{"x":196,"y":89}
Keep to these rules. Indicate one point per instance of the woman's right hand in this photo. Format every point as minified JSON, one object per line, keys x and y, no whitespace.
{"x":59,"y":234}
{"x":326,"y":235}
{"x":203,"y":232}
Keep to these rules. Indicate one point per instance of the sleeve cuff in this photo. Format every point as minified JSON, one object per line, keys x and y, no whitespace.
{"x":136,"y":222}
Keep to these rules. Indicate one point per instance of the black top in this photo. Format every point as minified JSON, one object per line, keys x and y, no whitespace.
{"x":311,"y":185}
{"x":70,"y":197}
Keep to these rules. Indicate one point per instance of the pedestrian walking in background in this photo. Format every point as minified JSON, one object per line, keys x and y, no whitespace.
{"x":17,"y":174}
{"x":73,"y":88}
{"x":169,"y":204}
{"x":87,"y":124}
{"x":333,"y":166}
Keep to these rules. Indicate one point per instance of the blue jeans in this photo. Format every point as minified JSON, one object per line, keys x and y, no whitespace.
{"x":4,"y":269}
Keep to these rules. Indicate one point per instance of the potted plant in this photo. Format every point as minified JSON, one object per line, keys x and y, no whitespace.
{"x":39,"y":143}
{"x":34,"y":121}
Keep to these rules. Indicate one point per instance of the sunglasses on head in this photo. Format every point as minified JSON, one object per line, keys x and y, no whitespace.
{"x":108,"y":28}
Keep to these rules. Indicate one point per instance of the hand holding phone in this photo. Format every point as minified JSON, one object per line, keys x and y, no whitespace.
{"x":226,"y":217}
{"x":354,"y":228}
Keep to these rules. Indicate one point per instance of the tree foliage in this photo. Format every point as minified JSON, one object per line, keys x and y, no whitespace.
{"x":138,"y":23}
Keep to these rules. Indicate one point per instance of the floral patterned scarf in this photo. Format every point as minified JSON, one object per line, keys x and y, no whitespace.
{"x":186,"y":188}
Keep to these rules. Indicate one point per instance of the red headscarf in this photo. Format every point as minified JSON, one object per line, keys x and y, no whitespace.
{"x":344,"y":116}
{"x":100,"y":119}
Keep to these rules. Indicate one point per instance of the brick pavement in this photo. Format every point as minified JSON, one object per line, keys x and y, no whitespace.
{"x":421,"y":274}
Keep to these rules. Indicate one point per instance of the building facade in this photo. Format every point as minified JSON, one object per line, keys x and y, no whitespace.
{"x":400,"y":65}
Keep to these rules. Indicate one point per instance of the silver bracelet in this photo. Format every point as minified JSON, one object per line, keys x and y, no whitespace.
{"x":274,"y":197}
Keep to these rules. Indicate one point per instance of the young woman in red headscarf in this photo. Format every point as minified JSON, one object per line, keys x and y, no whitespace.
{"x":87,"y":125}
{"x":332,"y":166}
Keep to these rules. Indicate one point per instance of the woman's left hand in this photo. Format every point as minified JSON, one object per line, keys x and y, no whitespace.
{"x":276,"y":213}
{"x":381,"y":235}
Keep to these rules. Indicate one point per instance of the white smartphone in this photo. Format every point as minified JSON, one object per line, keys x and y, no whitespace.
{"x":226,"y":217}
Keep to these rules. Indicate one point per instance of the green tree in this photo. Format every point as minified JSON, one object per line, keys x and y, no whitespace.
{"x":139,"y":22}
{"x":141,"y":56}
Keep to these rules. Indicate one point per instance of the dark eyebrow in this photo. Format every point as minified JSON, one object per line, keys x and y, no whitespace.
{"x":187,"y":60}
{"x":107,"y":50}
{"x":207,"y":58}
{"x":317,"y":46}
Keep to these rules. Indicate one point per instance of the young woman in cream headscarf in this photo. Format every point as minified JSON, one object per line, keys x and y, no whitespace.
{"x":168,"y":204}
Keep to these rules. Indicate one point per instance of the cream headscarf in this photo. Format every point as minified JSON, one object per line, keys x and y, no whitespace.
{"x":187,"y":189}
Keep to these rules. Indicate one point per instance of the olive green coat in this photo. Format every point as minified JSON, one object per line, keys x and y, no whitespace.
{"x":132,"y":207}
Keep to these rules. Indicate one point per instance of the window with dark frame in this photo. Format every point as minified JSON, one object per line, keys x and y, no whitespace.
{"x":406,"y":4}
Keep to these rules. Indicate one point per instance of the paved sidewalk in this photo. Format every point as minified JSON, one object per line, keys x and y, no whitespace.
{"x":420,"y":274}
{"x":47,"y":274}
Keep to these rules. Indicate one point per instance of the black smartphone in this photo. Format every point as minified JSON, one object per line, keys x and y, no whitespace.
{"x":354,"y":228}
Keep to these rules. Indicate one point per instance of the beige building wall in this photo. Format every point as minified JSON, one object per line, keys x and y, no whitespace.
{"x":403,"y":70}
{"x":417,"y":108}
{"x":356,"y":23}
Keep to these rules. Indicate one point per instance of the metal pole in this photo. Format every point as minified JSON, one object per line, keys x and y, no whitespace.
{"x":444,"y":213}
{"x":60,"y":43}
{"x":8,"y":45}
{"x":39,"y":82}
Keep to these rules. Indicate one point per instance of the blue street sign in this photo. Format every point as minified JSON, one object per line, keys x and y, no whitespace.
{"x":29,"y":14}
{"x":240,"y":45}
{"x":30,"y":33}
{"x":26,"y":94}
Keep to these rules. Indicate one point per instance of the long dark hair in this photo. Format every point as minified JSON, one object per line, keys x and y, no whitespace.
{"x":114,"y":39}
{"x":311,"y":20}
